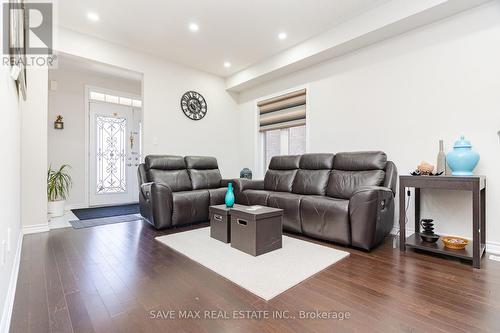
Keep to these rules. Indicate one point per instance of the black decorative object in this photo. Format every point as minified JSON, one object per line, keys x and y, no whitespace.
{"x":194,"y":105}
{"x":246,"y":173}
{"x":417,"y":173}
{"x":428,"y":234}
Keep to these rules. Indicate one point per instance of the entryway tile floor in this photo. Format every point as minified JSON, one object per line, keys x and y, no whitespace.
{"x":62,"y":221}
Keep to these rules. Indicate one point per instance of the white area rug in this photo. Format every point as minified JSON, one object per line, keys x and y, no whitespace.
{"x":267,"y":275}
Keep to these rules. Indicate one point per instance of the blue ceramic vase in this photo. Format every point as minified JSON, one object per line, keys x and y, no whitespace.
{"x":462,"y":159}
{"x":229,"y":195}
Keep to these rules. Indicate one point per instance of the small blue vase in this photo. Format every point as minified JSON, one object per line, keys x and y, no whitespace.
{"x":229,"y":196}
{"x":462,"y":159}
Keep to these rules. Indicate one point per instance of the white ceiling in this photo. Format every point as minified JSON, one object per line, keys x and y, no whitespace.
{"x":243,"y":32}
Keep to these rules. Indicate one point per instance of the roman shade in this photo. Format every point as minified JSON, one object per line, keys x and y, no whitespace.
{"x":288,"y":110}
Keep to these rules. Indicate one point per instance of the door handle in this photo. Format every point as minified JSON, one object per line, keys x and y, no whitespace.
{"x":129,"y":164}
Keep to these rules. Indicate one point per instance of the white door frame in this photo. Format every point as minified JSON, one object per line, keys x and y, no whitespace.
{"x":88,"y":89}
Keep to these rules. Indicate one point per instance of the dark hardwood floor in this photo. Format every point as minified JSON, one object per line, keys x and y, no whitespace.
{"x":109,"y":279}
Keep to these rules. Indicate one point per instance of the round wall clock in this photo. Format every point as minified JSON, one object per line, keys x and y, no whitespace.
{"x":193,"y":105}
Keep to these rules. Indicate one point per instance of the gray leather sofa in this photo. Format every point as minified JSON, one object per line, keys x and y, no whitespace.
{"x":347,"y":198}
{"x":177,"y":191}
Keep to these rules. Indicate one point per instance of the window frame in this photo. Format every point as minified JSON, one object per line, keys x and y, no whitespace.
{"x":284,"y":143}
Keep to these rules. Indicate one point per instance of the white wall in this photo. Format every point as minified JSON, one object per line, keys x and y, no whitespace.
{"x":34,"y":151}
{"x":166,"y":129}
{"x":402,"y":96}
{"x":68,"y":146}
{"x":10,"y":148}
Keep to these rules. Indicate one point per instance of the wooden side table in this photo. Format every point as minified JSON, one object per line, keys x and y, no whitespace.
{"x":475,"y":184}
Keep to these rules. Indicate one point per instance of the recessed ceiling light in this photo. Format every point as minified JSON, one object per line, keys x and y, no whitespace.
{"x":93,"y":16}
{"x":282,"y":35}
{"x":227,"y":64}
{"x":194,"y":27}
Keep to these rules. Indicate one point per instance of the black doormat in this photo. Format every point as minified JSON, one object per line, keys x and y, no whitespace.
{"x":80,"y":224}
{"x":100,"y":212}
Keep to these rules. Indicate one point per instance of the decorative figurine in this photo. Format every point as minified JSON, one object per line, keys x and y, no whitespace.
{"x":246,"y":173}
{"x":428,"y":234}
{"x":59,"y":124}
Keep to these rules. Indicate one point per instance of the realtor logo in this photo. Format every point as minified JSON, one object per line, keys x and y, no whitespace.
{"x":27,"y":28}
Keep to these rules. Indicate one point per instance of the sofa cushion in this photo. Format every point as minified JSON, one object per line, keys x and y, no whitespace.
{"x":177,"y":180}
{"x":287,"y":162}
{"x":204,"y":179}
{"x":342,"y":184}
{"x":312,"y":177}
{"x":217,"y":195}
{"x":279,"y":180}
{"x":358,"y":161}
{"x":201,"y":162}
{"x":168,"y":170}
{"x":165,"y":162}
{"x":282,"y":170}
{"x":203,"y":171}
{"x":254,"y":197}
{"x":190,"y":207}
{"x":312,"y":182}
{"x":326,"y":218}
{"x":290,"y":203}
{"x":316,"y":161}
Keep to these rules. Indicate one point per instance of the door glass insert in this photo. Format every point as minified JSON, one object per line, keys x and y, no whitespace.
{"x":111,"y":152}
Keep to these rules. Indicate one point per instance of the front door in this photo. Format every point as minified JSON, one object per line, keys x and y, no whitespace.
{"x":114,"y":153}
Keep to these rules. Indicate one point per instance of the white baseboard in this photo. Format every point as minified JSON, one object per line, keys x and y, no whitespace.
{"x":11,"y":292}
{"x":491,"y":247}
{"x":34,"y":229}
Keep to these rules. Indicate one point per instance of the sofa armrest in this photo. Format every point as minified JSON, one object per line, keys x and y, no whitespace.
{"x":224,"y":182}
{"x":247,"y":184}
{"x":243,"y":184}
{"x":371,"y":214}
{"x":146,"y":190}
{"x":161,"y":204}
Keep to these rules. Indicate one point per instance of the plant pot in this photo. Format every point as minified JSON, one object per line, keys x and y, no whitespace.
{"x":56,"y":208}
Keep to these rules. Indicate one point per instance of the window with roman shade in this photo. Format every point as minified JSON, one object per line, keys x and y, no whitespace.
{"x":285,"y":111}
{"x":282,"y":123}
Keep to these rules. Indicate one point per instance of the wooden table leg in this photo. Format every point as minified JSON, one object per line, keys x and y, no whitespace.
{"x":483,"y":216}
{"x":476,"y":220}
{"x":402,"y":218}
{"x":417,"y":210}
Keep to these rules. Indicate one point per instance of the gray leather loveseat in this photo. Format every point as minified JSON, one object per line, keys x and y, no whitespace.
{"x":176,"y":190}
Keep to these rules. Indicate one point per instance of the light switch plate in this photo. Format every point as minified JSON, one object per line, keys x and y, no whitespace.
{"x":53,"y":85}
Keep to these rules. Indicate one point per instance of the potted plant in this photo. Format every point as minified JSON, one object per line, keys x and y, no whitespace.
{"x":58,"y":186}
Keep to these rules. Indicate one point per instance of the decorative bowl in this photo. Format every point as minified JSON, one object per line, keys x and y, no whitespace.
{"x":455,"y":243}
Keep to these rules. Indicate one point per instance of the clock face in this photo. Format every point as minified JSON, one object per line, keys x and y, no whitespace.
{"x":193,"y":105}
